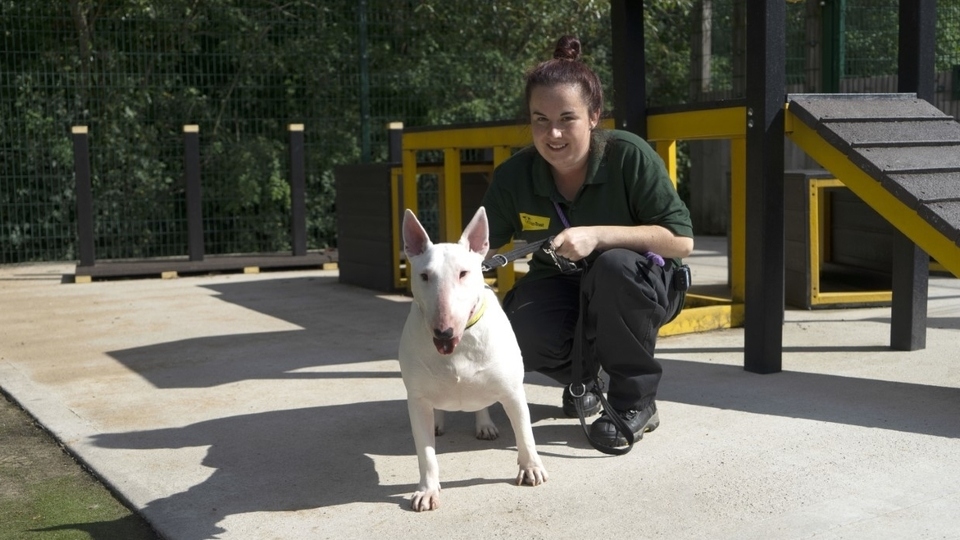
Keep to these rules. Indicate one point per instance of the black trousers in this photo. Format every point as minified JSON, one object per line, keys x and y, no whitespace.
{"x":625,"y":298}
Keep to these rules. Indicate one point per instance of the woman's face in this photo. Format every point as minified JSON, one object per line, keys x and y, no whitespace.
{"x":561,"y":126}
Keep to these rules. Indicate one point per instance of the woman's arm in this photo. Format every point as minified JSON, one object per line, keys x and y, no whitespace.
{"x":576,"y":243}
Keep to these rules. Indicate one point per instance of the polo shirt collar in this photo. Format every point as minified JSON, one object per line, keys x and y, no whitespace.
{"x":544,"y":186}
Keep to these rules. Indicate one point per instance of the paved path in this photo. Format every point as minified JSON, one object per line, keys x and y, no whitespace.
{"x":271,"y":407}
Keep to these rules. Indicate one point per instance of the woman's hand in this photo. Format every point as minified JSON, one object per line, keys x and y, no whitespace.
{"x":576,"y":243}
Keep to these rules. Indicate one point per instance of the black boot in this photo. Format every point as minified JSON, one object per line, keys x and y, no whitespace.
{"x":604,"y":431}
{"x":591,"y":403}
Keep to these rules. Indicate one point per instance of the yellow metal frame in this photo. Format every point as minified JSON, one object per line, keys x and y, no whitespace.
{"x":817,"y":223}
{"x":663,"y":131}
{"x":871,"y":192}
{"x":501,"y":139}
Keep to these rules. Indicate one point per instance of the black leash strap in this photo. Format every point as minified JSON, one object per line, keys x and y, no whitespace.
{"x":578,"y":390}
{"x":503,"y":259}
{"x":617,"y":421}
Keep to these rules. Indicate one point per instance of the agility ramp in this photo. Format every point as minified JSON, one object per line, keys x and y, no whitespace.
{"x":898,"y":153}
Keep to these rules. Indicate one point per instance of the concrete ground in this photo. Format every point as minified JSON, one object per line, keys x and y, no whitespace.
{"x":270,"y":406}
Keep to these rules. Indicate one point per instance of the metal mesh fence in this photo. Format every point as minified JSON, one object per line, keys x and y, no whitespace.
{"x":136,"y":72}
{"x":832,"y":46}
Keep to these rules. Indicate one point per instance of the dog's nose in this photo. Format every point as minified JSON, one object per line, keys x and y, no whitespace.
{"x":443,"y":334}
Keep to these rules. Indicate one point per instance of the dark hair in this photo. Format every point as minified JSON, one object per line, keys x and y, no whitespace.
{"x":566,"y":68}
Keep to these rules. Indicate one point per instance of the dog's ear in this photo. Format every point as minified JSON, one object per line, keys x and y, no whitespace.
{"x":476,"y":237}
{"x":415,"y":238}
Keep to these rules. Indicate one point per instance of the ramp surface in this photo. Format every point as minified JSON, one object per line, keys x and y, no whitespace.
{"x":898,"y":153}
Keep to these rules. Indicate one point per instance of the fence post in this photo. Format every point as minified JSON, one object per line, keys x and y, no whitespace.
{"x":911,"y":265}
{"x":766,"y":86}
{"x":191,"y":163}
{"x":394,"y":142}
{"x":84,"y":193}
{"x":298,"y":203}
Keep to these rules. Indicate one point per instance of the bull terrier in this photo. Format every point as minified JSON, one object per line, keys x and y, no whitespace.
{"x":458,"y":352}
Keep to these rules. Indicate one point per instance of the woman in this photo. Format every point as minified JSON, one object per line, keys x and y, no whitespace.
{"x":606,"y":199}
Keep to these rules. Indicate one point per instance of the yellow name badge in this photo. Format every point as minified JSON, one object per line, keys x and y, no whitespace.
{"x":534,"y":223}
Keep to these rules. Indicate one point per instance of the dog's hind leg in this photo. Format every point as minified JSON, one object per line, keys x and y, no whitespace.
{"x":486,"y":429}
{"x":439,"y":423}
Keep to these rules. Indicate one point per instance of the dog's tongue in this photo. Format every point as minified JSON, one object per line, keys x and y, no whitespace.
{"x":445,"y":346}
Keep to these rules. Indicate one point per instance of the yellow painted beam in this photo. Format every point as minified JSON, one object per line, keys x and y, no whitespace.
{"x":500,"y":154}
{"x":395,"y":173}
{"x":702,"y":319}
{"x":871,"y":192}
{"x":668,"y":153}
{"x":450,"y":219}
{"x":724,"y":123}
{"x":512,"y":135}
{"x":851,"y":297}
{"x":738,"y":220}
{"x":409,"y":163}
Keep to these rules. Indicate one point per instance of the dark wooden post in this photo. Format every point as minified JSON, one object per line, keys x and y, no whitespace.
{"x":298,"y":188}
{"x":84,"y":194}
{"x":629,"y":66}
{"x":766,"y":89}
{"x":911,"y":265}
{"x":395,"y":142}
{"x":191,"y":163}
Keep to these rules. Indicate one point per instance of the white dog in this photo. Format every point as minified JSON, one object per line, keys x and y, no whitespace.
{"x":458,"y":351}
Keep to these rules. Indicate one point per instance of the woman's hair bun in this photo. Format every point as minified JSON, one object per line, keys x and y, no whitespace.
{"x":568,"y":48}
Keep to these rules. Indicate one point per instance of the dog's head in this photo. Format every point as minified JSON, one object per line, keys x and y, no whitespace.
{"x":446,"y":279}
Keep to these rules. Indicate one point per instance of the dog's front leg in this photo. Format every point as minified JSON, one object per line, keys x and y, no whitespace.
{"x":427,"y":496}
{"x":532,"y":470}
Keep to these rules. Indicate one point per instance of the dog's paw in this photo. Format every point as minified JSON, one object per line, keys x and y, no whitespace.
{"x":487,"y":432}
{"x":428,"y":499}
{"x":533,"y":475}
{"x":486,"y":429}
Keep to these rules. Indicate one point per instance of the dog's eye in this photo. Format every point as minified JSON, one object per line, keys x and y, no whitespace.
{"x":463,"y":274}
{"x":424,"y":277}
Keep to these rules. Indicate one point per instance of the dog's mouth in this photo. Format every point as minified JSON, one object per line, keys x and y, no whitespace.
{"x":445,"y":346}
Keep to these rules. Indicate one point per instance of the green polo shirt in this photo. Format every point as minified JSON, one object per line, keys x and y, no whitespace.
{"x":626,"y":184}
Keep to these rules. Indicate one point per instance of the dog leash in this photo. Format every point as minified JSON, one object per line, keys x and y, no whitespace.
{"x":578,"y":393}
{"x":503,"y":259}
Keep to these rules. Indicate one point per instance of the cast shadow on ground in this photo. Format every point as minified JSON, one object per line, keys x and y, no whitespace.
{"x":289,"y":460}
{"x":128,"y":527}
{"x":899,"y":406}
{"x":303,"y":459}
{"x":338,"y":324}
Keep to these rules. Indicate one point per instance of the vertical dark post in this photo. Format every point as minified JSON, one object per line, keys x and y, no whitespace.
{"x":81,"y":167}
{"x":395,"y":142}
{"x":191,"y":165}
{"x":629,"y":66}
{"x":766,"y":87}
{"x":298,"y":189}
{"x":911,"y":265}
{"x":834,"y":44}
{"x":364,"y":83}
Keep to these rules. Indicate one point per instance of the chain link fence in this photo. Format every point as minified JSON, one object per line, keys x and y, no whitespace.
{"x":242,"y":70}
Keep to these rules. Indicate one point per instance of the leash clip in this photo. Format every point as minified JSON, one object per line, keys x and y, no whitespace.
{"x":496,"y":261}
{"x":582,"y":392}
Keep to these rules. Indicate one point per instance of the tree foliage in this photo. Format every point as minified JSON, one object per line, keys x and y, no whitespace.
{"x":136,"y":71}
